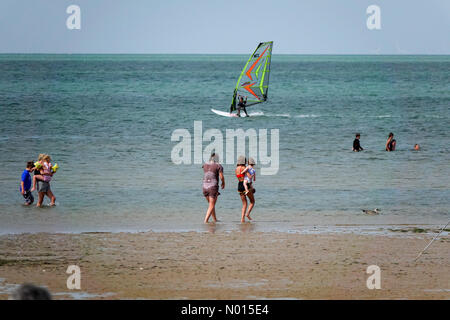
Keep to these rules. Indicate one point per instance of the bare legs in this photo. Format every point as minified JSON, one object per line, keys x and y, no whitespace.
{"x":40,"y":198}
{"x":251,"y":197}
{"x":49,"y":194}
{"x":52,"y":197}
{"x":246,"y":186}
{"x":211,"y":209}
{"x":244,"y":207}
{"x":211,"y":212}
{"x":244,"y":212}
{"x":39,"y":177}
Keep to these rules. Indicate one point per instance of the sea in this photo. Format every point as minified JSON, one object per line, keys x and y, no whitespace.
{"x":108,"y":121}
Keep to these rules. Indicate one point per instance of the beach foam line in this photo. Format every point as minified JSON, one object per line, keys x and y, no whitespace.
{"x":7,"y":288}
{"x":82,"y":295}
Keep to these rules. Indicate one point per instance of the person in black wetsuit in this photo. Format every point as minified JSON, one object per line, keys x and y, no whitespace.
{"x":356,"y":146}
{"x":241,"y":105}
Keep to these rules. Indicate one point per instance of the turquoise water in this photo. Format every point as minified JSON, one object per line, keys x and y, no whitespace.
{"x":107,"y":120}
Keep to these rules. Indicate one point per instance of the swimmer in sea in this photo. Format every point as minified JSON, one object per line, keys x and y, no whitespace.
{"x":391,"y":143}
{"x":356,"y":146}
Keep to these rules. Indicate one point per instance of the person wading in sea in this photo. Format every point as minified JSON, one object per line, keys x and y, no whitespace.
{"x":356,"y":146}
{"x":212,"y":171}
{"x":240,"y":175}
{"x":391,"y":143}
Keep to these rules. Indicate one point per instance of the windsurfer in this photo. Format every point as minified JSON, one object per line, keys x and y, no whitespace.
{"x":241,"y":105}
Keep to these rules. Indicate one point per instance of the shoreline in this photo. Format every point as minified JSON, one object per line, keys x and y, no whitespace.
{"x":407,"y":229}
{"x":226,"y":265}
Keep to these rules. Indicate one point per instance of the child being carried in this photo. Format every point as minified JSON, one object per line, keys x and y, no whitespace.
{"x":250,"y":175}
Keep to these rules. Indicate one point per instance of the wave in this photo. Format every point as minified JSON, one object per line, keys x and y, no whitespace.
{"x":307,"y":116}
{"x":256,"y":114}
{"x":260,"y":113}
{"x":284,"y":115}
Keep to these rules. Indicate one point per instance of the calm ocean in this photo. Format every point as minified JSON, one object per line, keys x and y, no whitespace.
{"x":107,"y":121}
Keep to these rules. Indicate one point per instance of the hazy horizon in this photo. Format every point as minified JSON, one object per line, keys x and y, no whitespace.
{"x":233,"y":27}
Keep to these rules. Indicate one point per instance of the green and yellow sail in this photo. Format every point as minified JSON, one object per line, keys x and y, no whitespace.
{"x":253,"y":82}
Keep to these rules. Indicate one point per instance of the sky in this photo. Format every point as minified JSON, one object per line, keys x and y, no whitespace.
{"x":225,"y":26}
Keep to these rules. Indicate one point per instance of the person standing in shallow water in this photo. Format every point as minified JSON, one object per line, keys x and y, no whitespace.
{"x":356,"y":146}
{"x":391,"y":143}
{"x":240,"y":175}
{"x":212,"y":171}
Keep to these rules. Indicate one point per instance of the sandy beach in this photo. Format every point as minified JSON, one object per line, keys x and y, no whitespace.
{"x":227,"y":265}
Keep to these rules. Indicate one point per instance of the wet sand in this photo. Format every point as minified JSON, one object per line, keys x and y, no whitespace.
{"x":227,"y":265}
